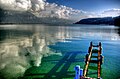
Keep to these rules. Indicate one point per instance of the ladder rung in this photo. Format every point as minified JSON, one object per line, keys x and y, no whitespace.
{"x":94,"y":56}
{"x":94,"y":61}
{"x":95,"y":45}
{"x":94,"y":51}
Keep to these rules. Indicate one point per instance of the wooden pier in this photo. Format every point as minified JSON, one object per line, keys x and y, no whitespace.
{"x":93,"y":49}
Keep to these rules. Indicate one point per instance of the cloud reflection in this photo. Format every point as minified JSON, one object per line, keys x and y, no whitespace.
{"x":20,"y":55}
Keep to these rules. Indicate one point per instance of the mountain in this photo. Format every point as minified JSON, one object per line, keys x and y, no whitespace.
{"x":104,"y":20}
{"x":16,"y":17}
{"x":117,"y":21}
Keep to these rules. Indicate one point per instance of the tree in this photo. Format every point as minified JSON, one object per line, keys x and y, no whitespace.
{"x":117,"y":21}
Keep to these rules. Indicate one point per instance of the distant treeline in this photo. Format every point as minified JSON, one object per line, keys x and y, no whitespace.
{"x":105,"y":20}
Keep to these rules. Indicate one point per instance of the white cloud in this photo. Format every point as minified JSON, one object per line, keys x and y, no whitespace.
{"x":106,"y":13}
{"x":40,"y":8}
{"x":111,"y":13}
{"x":53,"y":10}
{"x":37,"y":5}
{"x":22,"y":5}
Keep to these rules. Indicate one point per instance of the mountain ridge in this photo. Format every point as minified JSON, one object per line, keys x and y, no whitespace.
{"x":16,"y":17}
{"x":103,"y":20}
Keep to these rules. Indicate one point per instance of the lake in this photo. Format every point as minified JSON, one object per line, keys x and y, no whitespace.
{"x":43,"y":51}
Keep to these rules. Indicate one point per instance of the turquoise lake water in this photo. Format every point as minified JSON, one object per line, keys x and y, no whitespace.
{"x":70,"y":38}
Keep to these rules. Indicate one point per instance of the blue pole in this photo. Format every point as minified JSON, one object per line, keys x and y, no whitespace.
{"x":77,"y":72}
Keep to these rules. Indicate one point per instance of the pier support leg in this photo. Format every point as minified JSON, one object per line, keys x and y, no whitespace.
{"x":77,"y":72}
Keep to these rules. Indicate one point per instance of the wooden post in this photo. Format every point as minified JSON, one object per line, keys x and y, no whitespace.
{"x":99,"y":62}
{"x":88,"y":61}
{"x":91,"y":44}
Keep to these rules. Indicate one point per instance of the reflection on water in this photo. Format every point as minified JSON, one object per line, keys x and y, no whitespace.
{"x":23,"y":46}
{"x":119,"y":31}
{"x":61,"y":32}
{"x":20,"y":50}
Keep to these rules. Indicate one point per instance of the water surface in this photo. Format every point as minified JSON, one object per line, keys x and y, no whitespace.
{"x":60,"y":40}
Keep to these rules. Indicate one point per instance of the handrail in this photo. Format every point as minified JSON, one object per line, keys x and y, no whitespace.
{"x":99,"y":63}
{"x":89,"y":58}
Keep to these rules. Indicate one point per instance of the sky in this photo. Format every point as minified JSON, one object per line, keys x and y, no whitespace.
{"x":65,"y":9}
{"x":89,"y":5}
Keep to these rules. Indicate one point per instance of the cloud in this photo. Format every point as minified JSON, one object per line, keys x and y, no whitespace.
{"x":22,"y":5}
{"x":111,"y":12}
{"x":106,"y":13}
{"x":57,"y":11}
{"x":37,"y":5}
{"x":43,"y":9}
{"x":39,"y":8}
